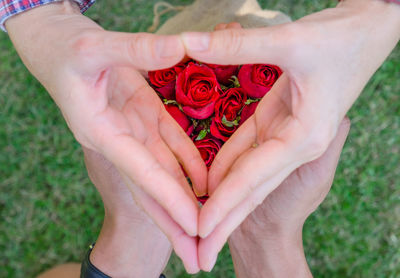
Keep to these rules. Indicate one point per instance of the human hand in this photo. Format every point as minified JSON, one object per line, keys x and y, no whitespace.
{"x":129,"y":244}
{"x":269,"y":242}
{"x":296,"y":121}
{"x":95,"y":78}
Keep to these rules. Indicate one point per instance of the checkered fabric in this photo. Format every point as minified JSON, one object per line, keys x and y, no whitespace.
{"x":9,"y":8}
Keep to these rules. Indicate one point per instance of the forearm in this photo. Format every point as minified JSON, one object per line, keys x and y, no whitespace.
{"x":34,"y":22}
{"x":46,"y":39}
{"x":131,"y":248}
{"x":379,"y":20}
{"x":269,"y":256}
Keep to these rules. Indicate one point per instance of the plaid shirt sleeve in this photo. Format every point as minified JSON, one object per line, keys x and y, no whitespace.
{"x":8,"y":8}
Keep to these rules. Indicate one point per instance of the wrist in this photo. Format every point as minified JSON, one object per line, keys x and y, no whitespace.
{"x":130,"y":248}
{"x":372,"y":7}
{"x":40,"y":14}
{"x":268,"y":254}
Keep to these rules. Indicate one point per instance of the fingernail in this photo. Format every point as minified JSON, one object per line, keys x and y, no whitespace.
{"x":211,"y":263}
{"x":199,"y":193}
{"x":192,"y":269}
{"x":167,"y":46}
{"x":196,"y":41}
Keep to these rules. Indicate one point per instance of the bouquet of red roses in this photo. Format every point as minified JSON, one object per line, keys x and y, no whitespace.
{"x":210,"y":102}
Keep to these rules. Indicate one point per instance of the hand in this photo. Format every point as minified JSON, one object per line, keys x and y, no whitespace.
{"x":94,"y":77}
{"x":269,"y":242}
{"x":129,"y":244}
{"x":296,"y":121}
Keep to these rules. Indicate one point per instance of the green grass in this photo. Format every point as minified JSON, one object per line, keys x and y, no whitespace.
{"x":50,"y":212}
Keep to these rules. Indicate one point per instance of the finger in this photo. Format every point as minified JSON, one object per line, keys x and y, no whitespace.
{"x":114,"y":139}
{"x":186,"y":152}
{"x":220,"y":26}
{"x":329,"y":160}
{"x":239,"y":142}
{"x":210,"y":246}
{"x":138,"y":50}
{"x":231,"y":25}
{"x":135,"y":161}
{"x":171,"y":133}
{"x":166,"y":158}
{"x":184,"y":245}
{"x":253,"y":168}
{"x":240,"y":46}
{"x":234,"y":25}
{"x":271,"y":110}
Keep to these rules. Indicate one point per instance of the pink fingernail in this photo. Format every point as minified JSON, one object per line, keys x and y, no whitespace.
{"x":212,"y":263}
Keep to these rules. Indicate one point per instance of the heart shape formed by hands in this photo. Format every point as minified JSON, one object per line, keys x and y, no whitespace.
{"x":210,"y":102}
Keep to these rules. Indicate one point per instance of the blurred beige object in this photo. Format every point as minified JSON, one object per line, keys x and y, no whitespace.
{"x":204,"y":15}
{"x":70,"y":270}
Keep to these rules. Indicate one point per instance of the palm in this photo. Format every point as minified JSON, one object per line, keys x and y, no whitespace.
{"x":275,"y":125}
{"x":127,"y":117}
{"x":94,"y":77}
{"x":304,"y":190}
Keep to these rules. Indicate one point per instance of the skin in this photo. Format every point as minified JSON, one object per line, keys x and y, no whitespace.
{"x":298,"y":119}
{"x":269,"y":242}
{"x":94,"y":76}
{"x":129,"y":244}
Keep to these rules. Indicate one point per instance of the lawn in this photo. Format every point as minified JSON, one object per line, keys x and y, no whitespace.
{"x":50,"y":212}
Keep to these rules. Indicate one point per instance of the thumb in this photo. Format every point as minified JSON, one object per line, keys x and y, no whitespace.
{"x":139,"y":50}
{"x":240,"y":46}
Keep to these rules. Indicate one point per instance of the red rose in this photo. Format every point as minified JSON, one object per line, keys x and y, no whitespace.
{"x":197,"y":90}
{"x":181,"y":118}
{"x":257,"y":80}
{"x":224,"y":73}
{"x":247,"y":111}
{"x":208,"y":148}
{"x":164,"y":80}
{"x":203,"y":199}
{"x":226,"y":111}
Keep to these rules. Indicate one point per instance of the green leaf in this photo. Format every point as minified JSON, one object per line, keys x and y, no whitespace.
{"x":235,"y":81}
{"x":227,"y":123}
{"x":201,"y":135}
{"x":166,"y":101}
{"x":224,"y":88}
{"x":249,"y":101}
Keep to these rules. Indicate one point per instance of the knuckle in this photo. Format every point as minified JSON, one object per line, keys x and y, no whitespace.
{"x":233,"y":41}
{"x":318,"y":141}
{"x":140,"y":46}
{"x":171,"y":203}
{"x":133,"y":45}
{"x":177,"y":173}
{"x":151,"y":171}
{"x":84,"y":43}
{"x":311,"y":139}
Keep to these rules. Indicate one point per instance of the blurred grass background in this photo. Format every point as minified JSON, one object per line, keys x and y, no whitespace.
{"x":50,"y":212}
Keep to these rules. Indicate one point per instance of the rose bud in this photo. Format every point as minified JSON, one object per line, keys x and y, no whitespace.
{"x":180,"y":117}
{"x":247,"y":111}
{"x":197,"y":90}
{"x":208,"y":148}
{"x":224,"y":73}
{"x":257,"y":80}
{"x":163,"y":81}
{"x":224,"y":123}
